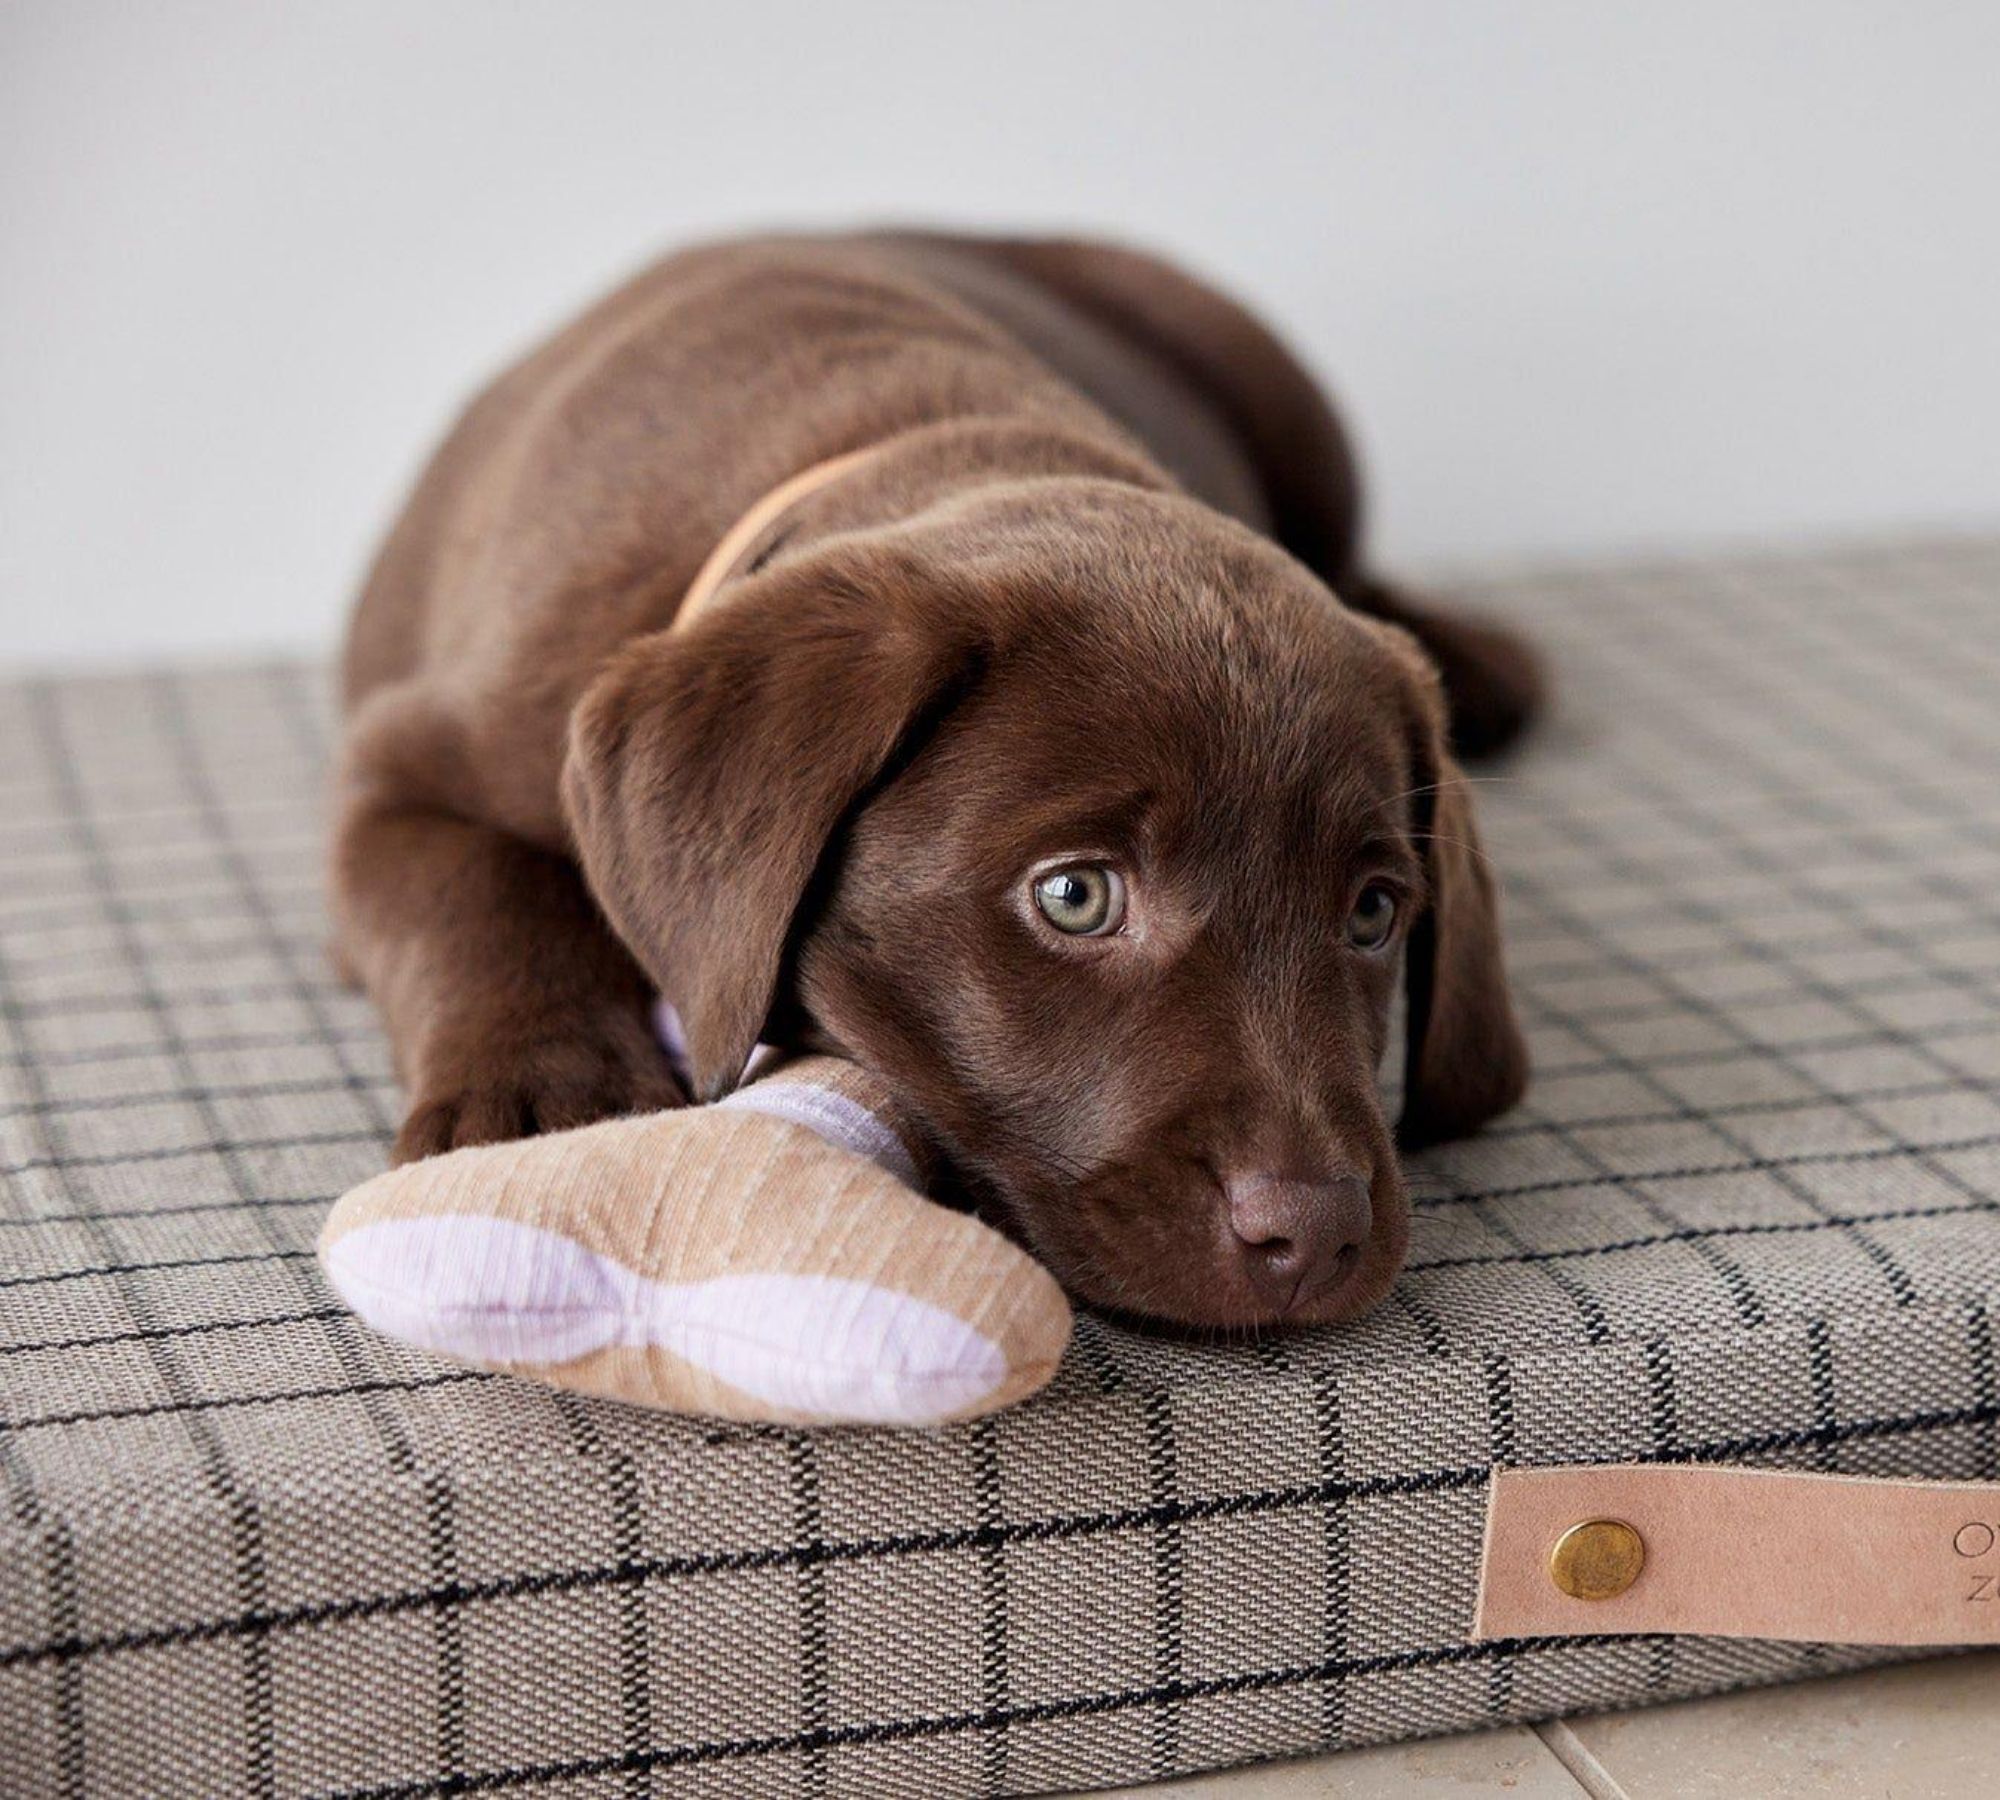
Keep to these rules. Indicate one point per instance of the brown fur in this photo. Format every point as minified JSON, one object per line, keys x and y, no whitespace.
{"x":1098,"y":591}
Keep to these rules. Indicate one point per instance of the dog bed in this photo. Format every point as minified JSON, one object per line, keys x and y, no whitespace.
{"x":1747,"y":1216}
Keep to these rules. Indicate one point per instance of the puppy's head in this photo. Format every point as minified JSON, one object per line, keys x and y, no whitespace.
{"x":1100,"y":834}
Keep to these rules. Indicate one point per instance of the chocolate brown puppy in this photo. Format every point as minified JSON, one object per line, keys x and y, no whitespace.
{"x":1056,"y":756}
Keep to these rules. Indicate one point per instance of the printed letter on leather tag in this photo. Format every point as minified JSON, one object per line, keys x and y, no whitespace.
{"x":1761,"y":1553}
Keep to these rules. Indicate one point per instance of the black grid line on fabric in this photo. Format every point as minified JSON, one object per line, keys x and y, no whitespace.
{"x":119,"y":1000}
{"x":1843,"y":996}
{"x":64,"y":1596}
{"x":216,"y":1403}
{"x":226,"y":1041}
{"x":341,"y":1332}
{"x":1864,"y":1039}
{"x":1877,"y":987}
{"x":635,"y":1655}
{"x":306,"y":989}
{"x":1744,"y":1299}
{"x":153,"y":901}
{"x":103,"y":1213}
{"x":798,"y":1554}
{"x":441,"y":1519}
{"x":635,"y":1651}
{"x":204,"y":950}
{"x":1174,"y":1696}
{"x":1587,"y":1306}
{"x":1842,"y":999}
{"x":246,"y":898}
{"x":995,"y":1624}
{"x":66,"y":1603}
{"x":1089,"y":1344}
{"x":139,"y":1334}
{"x":1826,"y":1410}
{"x":310,"y":1088}
{"x":1555,"y":1184}
{"x":1691,"y":1234}
{"x":1986,"y":1376}
{"x":635,"y":1680}
{"x":238,"y":1503}
{"x":1787,"y":631}
{"x":1700,"y":962}
{"x":223,"y":1145}
{"x":22,"y":819}
{"x":1870,"y":639}
{"x":59,"y":1562}
{"x":1663,"y":1401}
{"x":1336,"y":1598}
{"x":149,"y":1266}
{"x":1682,"y":1112}
{"x":1502,"y":1429}
{"x":1169,"y":1576}
{"x":823,"y":1552}
{"x":815,"y":1646}
{"x":1898,"y":1278}
{"x":1819,"y":1364}
{"x":1406,"y":1299}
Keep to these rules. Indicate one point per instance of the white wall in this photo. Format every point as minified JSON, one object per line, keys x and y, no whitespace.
{"x":1588,"y":275}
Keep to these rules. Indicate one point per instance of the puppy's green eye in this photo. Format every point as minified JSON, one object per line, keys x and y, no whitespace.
{"x":1373,"y":917}
{"x":1081,"y":899}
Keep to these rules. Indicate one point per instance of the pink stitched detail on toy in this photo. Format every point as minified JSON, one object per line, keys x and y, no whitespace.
{"x":833,"y":1117}
{"x":824,"y":1113}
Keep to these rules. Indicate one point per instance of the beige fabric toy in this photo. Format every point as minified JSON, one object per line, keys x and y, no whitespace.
{"x":768,"y":1258}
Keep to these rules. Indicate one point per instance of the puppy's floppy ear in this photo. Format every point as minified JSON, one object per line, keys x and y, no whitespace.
{"x":1465,"y":1059}
{"x":708,"y":768}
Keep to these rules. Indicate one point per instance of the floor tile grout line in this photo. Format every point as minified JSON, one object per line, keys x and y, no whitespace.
{"x":1577,"y":1760}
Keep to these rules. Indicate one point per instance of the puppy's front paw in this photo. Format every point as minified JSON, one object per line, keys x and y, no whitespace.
{"x":550,"y":1085}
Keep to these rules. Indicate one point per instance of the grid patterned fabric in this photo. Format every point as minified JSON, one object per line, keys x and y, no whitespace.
{"x":1748,"y":1213}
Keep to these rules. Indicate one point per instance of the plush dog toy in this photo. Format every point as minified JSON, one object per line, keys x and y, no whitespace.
{"x":768,"y":1257}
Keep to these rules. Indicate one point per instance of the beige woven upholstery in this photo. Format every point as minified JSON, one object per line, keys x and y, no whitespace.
{"x":1747,"y":1214}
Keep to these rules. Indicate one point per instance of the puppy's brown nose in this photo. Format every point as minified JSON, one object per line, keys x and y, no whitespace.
{"x":1297,"y":1237}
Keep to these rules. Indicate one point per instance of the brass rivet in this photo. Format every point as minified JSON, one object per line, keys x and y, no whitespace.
{"x":1597,"y":1560}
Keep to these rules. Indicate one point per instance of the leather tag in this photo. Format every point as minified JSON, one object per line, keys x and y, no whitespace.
{"x":1749,"y":1553}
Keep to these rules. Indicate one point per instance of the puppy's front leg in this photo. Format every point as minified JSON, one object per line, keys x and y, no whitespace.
{"x":511,"y":1007}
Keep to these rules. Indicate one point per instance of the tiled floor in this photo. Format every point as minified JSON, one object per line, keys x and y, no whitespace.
{"x":1919,"y":1731}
